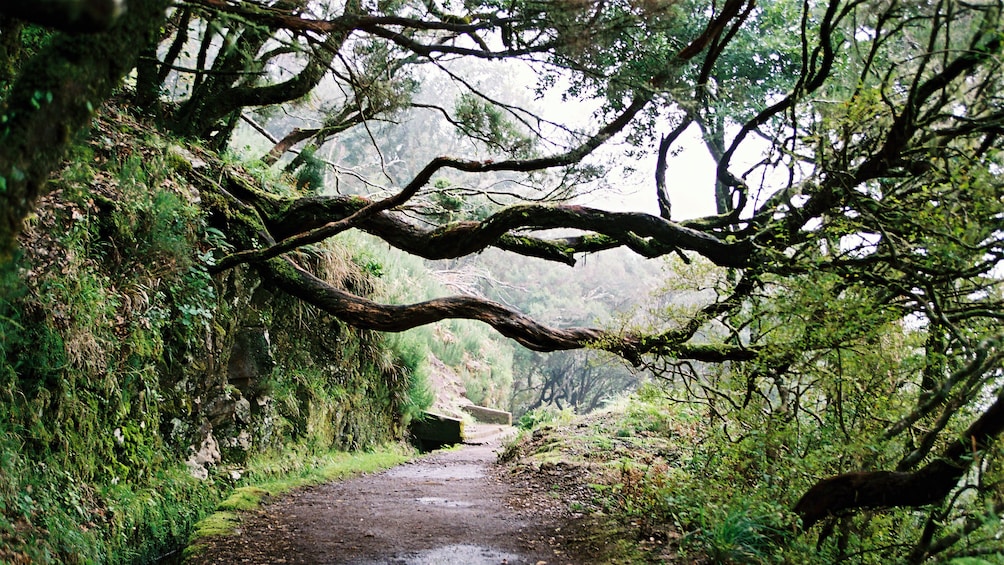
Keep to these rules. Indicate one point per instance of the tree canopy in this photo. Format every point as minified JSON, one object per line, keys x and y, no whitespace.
{"x":857,"y":180}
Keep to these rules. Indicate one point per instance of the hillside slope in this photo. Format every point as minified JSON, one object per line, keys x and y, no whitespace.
{"x":136,"y":388}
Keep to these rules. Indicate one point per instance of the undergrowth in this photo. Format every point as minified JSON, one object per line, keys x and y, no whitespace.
{"x":663,"y":478}
{"x":653,"y":493}
{"x":114,"y":342}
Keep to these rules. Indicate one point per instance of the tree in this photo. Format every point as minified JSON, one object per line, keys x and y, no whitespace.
{"x":580,"y":380}
{"x":875,"y":196}
{"x":56,"y":93}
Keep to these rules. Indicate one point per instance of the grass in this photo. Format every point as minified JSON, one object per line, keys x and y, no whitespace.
{"x":220,"y":523}
{"x":482,"y":358}
{"x":276,"y":474}
{"x":243,"y":499}
{"x":648,"y":501}
{"x":741,"y":535}
{"x":330,"y":466}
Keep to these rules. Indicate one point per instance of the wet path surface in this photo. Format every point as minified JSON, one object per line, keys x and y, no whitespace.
{"x":445,"y":508}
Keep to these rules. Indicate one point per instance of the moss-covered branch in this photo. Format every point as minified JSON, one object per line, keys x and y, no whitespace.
{"x":367,"y":314}
{"x":885,"y":489}
{"x":309,"y":220}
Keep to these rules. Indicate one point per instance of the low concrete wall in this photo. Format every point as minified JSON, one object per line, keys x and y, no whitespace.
{"x":488,"y":415}
{"x":434,"y":431}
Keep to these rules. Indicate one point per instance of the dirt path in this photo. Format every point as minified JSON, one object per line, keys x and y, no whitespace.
{"x":446,"y":508}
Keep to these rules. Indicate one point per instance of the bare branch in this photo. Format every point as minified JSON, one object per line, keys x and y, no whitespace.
{"x":323,"y":232}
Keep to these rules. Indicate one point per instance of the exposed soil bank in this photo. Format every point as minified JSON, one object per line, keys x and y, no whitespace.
{"x":445,"y":508}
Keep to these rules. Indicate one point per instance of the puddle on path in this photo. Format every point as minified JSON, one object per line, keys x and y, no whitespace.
{"x":438,"y":501}
{"x":451,"y":555}
{"x":439,"y":473}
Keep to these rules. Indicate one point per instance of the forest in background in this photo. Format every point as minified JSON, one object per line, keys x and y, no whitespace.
{"x":826,"y":337}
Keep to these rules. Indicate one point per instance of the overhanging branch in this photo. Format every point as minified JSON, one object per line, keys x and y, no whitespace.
{"x":305,"y":236}
{"x":645,"y":234}
{"x":367,"y":314}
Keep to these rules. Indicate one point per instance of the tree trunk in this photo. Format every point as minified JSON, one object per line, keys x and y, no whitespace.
{"x":55,"y":96}
{"x":77,"y":16}
{"x":10,"y":48}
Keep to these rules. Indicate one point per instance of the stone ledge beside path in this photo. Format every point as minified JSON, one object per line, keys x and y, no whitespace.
{"x":488,"y":415}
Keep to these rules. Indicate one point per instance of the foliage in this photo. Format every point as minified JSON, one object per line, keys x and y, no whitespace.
{"x":615,"y":285}
{"x":537,"y":417}
{"x":483,"y":360}
{"x":18,"y":42}
{"x":846,"y":324}
{"x":578,"y":380}
{"x":420,"y":395}
{"x":108,"y":318}
{"x":56,"y":518}
{"x":84,"y":335}
{"x":483,"y":121}
{"x":310,"y":171}
{"x":651,"y":465}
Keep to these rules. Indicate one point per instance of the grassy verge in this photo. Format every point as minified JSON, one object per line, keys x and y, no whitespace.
{"x":637,"y":480}
{"x":272,"y":475}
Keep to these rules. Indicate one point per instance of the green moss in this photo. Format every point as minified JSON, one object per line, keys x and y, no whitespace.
{"x":110,"y":351}
{"x":595,"y":241}
{"x":244,"y":498}
{"x":283,"y":471}
{"x":217,"y":524}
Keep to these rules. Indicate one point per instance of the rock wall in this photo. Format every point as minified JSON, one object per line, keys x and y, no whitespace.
{"x":135,"y":386}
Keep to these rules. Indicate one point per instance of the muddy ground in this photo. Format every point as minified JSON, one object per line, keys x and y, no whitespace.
{"x":450,"y":507}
